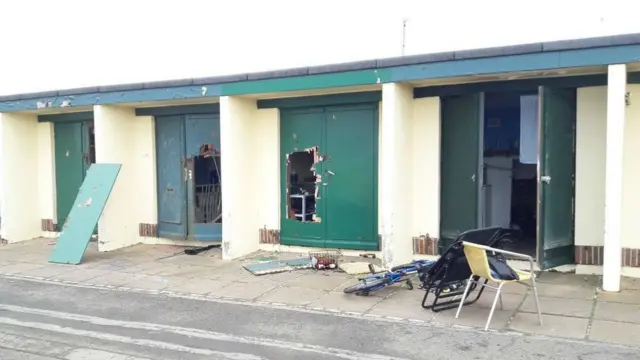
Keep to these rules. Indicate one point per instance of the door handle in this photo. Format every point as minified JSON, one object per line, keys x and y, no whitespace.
{"x":545,"y":179}
{"x":473,"y":177}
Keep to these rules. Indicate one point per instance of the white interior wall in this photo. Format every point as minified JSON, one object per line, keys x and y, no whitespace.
{"x":498,"y":170}
{"x":19,"y":169}
{"x":123,"y":138}
{"x":425,"y":167}
{"x":46,"y":173}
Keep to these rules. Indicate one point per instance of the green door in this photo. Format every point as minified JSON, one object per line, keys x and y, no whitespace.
{"x":556,"y":180}
{"x":72,"y":161}
{"x":300,"y":129}
{"x":460,"y":169}
{"x":346,"y":138}
{"x":350,"y":173}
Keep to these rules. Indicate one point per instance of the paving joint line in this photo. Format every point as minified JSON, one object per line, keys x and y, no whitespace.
{"x":301,"y":308}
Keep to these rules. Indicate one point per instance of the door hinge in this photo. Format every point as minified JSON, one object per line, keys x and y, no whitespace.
{"x":545,"y":179}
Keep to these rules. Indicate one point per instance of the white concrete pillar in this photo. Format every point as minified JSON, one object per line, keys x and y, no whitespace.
{"x":395,"y":160}
{"x":240,"y":182}
{"x":19,"y":186}
{"x":122,"y":138}
{"x":616,"y":108}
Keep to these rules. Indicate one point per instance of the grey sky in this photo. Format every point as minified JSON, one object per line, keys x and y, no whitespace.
{"x":72,"y":43}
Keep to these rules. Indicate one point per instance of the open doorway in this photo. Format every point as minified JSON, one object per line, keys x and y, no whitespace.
{"x":510,"y":190}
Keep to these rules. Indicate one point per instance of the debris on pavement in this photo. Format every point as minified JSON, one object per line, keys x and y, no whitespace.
{"x":359,"y":268}
{"x":278,"y":266}
{"x":198,"y":250}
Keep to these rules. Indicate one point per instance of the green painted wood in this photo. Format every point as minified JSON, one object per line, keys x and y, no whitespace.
{"x":131,"y":95}
{"x":525,"y":85}
{"x":557,"y":160}
{"x":348,"y":204}
{"x":322,"y":100}
{"x":85,"y":213}
{"x":460,"y":173}
{"x":299,"y":130}
{"x":70,"y":168}
{"x":67,"y":117}
{"x":548,"y":60}
{"x":322,"y":81}
{"x":351,"y":210}
{"x":179,"y":110}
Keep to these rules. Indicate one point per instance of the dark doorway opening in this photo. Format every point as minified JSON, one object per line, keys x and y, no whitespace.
{"x":510,"y":159}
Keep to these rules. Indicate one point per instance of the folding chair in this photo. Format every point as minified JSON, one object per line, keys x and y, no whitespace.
{"x":479,"y":263}
{"x":445,"y":278}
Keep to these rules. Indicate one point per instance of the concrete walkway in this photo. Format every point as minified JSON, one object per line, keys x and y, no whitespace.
{"x":573,"y":306}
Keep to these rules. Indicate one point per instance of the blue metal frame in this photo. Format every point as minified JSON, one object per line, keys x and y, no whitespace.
{"x":394,"y":277}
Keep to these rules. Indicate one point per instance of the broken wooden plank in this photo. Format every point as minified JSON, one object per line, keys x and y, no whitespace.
{"x":83,"y":217}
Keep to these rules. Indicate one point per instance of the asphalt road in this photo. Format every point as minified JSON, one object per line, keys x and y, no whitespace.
{"x":41,"y":321}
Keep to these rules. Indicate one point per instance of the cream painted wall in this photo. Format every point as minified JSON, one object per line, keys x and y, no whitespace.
{"x":123,"y":138}
{"x":251,"y":176}
{"x":590,"y":168}
{"x":46,"y":174}
{"x":144,"y":153}
{"x":266,"y":140}
{"x":426,"y":167}
{"x":20,"y":186}
{"x":631,"y":171}
{"x":396,"y":182}
{"x":591,"y":127}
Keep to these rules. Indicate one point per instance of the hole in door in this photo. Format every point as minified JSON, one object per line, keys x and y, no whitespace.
{"x":207,"y":185}
{"x":302,"y":185}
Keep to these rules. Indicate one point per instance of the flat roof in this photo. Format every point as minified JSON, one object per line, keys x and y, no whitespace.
{"x":526,"y":57}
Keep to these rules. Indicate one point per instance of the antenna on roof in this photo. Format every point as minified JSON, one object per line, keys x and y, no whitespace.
{"x":404,"y":34}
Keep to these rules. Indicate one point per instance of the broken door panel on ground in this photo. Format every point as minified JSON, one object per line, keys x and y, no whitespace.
{"x":556,"y":176}
{"x":350,"y":172}
{"x":329,"y":172}
{"x":460,"y":174}
{"x":204,"y":191}
{"x":189,"y":170}
{"x":74,"y":154}
{"x":170,"y":157}
{"x":303,"y":196}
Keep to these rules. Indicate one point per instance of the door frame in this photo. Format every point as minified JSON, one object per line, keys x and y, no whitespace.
{"x":481,"y":202}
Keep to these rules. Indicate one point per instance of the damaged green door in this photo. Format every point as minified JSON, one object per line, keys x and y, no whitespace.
{"x":460,"y":171}
{"x":300,"y":129}
{"x":345,"y":142}
{"x":556,"y":179}
{"x":351,"y":175}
